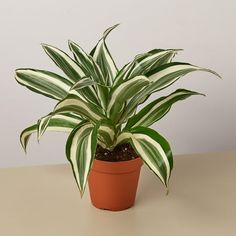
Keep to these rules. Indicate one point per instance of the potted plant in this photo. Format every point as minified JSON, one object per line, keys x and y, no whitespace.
{"x":97,"y":104}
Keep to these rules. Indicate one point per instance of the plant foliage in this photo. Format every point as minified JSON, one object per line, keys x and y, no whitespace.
{"x":97,"y":103}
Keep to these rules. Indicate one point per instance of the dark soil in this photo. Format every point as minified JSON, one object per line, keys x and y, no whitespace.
{"x":122,"y":152}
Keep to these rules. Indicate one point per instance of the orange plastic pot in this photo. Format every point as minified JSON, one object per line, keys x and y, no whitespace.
{"x":113,"y":185}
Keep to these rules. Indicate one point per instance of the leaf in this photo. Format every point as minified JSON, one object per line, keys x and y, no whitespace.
{"x":56,"y":123}
{"x":72,"y":69}
{"x":92,"y":70}
{"x":121,"y":93}
{"x":152,"y":60}
{"x":152,"y":148}
{"x":160,"y":78}
{"x":86,"y":62}
{"x":155,"y":110}
{"x":145,"y":62}
{"x":67,"y":117}
{"x":106,"y":133}
{"x":43,"y":124}
{"x":84,"y":82}
{"x":124,"y":73}
{"x":44,"y":82}
{"x":165,"y":59}
{"x":103,"y":58}
{"x":73,"y":103}
{"x":167,"y":74}
{"x":64,"y":62}
{"x":80,"y":151}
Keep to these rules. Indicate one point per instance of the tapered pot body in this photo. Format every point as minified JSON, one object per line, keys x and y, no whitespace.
{"x":113,"y":185}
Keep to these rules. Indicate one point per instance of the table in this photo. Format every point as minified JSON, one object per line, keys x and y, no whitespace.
{"x":44,"y":201}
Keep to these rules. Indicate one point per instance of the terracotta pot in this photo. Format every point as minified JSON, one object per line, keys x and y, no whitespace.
{"x":113,"y":185}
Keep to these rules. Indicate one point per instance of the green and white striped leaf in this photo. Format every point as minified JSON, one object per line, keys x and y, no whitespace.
{"x":167,"y":74}
{"x":72,"y":69}
{"x":43,"y":124}
{"x":145,"y":62}
{"x":152,"y":60}
{"x":91,"y":69}
{"x":158,"y":108}
{"x":73,"y":103}
{"x":44,"y":82}
{"x":152,"y":148}
{"x":124,"y":73}
{"x":160,"y":78}
{"x":88,"y":94}
{"x":25,"y":135}
{"x":80,"y":150}
{"x":123,"y":92}
{"x":86,"y":61}
{"x":82,"y":83}
{"x":104,"y":59}
{"x":106,"y":133}
{"x":67,"y":117}
{"x":56,"y":123}
{"x":64,"y":62}
{"x":165,"y":59}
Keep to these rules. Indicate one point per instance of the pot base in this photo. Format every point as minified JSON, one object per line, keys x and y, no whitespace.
{"x":112,"y":209}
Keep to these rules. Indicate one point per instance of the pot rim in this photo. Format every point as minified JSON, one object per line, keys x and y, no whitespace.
{"x":117,"y":167}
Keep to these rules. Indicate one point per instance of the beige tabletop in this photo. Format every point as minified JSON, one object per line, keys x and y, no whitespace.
{"x":44,"y":201}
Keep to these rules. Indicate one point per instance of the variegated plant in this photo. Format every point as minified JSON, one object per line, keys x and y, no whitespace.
{"x":98,"y":103}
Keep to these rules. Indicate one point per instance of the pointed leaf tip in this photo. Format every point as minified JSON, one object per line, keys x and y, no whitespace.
{"x":81,"y":193}
{"x":167,"y":191}
{"x":44,"y":45}
{"x":71,"y":43}
{"x":202,"y":94}
{"x":23,"y":147}
{"x":107,"y":31}
{"x":213,"y":72}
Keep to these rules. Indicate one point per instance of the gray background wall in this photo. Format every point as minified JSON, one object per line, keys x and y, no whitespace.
{"x":204,"y":28}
